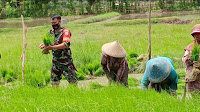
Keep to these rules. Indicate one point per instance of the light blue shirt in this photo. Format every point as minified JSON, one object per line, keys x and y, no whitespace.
{"x":173,"y":77}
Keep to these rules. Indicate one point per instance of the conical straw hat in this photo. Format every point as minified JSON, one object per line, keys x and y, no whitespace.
{"x":114,"y":49}
{"x":158,"y":70}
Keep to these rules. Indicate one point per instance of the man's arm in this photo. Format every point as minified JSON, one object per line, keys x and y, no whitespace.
{"x":59,"y":46}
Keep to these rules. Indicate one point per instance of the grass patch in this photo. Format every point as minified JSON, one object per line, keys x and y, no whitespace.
{"x":111,"y":98}
{"x":96,"y":18}
{"x":86,"y":42}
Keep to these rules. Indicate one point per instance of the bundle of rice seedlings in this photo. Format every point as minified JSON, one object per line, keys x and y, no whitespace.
{"x":47,"y":40}
{"x":195,"y":53}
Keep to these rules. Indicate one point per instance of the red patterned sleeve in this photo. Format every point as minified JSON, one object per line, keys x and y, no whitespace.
{"x":66,"y":37}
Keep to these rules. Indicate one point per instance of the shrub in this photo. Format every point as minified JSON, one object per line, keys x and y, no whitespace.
{"x":132,"y":61}
{"x":3,"y":73}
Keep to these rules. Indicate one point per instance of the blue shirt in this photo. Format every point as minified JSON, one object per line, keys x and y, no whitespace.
{"x":173,"y":77}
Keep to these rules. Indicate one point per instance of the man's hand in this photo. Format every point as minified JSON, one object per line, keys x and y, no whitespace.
{"x":42,"y":46}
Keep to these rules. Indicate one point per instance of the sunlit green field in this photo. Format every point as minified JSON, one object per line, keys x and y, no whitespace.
{"x":106,"y":99}
{"x":167,"y":40}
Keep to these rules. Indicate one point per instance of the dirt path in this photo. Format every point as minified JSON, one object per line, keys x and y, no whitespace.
{"x":101,"y":80}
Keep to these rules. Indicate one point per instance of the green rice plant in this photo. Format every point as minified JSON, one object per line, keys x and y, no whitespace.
{"x":195,"y":53}
{"x":47,"y":39}
{"x":132,"y":61}
{"x":99,"y":72}
{"x":133,"y":55}
{"x":80,"y":74}
{"x":36,"y":79}
{"x":95,"y":99}
{"x":84,"y":70}
{"x":93,"y":67}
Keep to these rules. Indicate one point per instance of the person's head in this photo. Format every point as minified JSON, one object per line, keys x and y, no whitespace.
{"x":158,"y":70}
{"x":56,"y":21}
{"x":114,"y":49}
{"x":196,"y":33}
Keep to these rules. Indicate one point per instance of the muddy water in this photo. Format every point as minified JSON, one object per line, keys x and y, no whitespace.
{"x":36,"y":22}
{"x":28,"y":23}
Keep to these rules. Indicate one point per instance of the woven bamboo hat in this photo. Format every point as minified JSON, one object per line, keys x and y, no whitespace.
{"x":114,"y":49}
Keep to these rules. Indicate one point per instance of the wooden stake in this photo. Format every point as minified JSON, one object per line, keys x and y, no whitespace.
{"x":149,"y":39}
{"x":24,"y":48}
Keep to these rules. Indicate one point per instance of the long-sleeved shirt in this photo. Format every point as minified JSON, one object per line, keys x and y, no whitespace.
{"x":116,"y":65}
{"x":188,"y":63}
{"x":172,"y":79}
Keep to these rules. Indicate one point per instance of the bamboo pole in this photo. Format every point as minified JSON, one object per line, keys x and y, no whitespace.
{"x":24,"y":48}
{"x":149,"y":39}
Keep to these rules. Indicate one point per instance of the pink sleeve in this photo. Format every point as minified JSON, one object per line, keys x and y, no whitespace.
{"x":186,"y":56}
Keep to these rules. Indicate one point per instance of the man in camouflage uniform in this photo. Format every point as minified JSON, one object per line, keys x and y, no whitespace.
{"x":62,"y":62}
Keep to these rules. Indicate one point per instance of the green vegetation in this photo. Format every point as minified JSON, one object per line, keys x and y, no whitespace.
{"x":87,"y":40}
{"x":107,"y":99}
{"x":195,"y":53}
{"x":43,"y":8}
{"x":47,"y":39}
{"x":97,"y":18}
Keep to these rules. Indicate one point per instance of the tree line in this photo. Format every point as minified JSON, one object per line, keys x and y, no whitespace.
{"x":43,"y":8}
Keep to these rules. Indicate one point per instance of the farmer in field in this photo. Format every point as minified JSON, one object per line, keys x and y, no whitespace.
{"x":114,"y":62}
{"x":192,"y":80}
{"x":62,"y":62}
{"x":160,"y":74}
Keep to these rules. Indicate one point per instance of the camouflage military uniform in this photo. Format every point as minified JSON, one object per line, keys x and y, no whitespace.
{"x":62,"y":62}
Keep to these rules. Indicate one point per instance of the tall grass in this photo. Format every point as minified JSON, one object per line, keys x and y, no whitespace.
{"x":104,"y":99}
{"x":86,"y":42}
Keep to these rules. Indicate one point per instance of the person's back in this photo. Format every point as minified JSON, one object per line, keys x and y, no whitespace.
{"x":160,"y":73}
{"x":114,"y":63}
